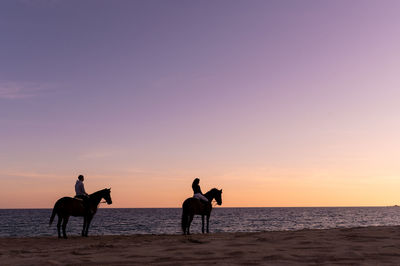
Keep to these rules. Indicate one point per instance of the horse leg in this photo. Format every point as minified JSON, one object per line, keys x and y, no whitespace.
{"x":187,"y":225}
{"x":190,"y":221}
{"x":208,"y":222}
{"x":185,"y":220}
{"x":64,"y":225}
{"x":59,"y":226}
{"x":88,"y":220}
{"x":84,"y":225}
{"x":202,"y":224}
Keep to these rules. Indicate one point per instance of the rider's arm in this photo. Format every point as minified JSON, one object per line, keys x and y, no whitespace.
{"x":83,"y":189}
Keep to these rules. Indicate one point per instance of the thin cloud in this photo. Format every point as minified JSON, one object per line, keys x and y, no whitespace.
{"x":20,"y":90}
{"x":95,"y":155}
{"x":43,"y":3}
{"x":28,"y":175}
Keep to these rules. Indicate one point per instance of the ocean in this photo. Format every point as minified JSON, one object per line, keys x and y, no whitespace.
{"x":34,"y":222}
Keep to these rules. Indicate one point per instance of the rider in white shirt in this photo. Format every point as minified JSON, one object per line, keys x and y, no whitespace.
{"x":79,"y":187}
{"x":197,"y":191}
{"x":81,"y":193}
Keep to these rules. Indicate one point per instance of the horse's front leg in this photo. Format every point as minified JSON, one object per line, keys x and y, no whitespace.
{"x":190,"y":221}
{"x":202,"y":224}
{"x":88,"y":220}
{"x":84,"y":225}
{"x":208,"y":222}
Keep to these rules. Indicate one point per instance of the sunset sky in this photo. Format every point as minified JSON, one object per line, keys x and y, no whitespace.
{"x":279,"y":103}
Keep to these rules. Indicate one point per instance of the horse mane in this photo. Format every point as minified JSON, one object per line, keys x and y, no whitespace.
{"x":97,"y":192}
{"x":211,"y":191}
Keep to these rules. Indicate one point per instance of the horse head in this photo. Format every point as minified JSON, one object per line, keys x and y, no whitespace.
{"x":107,"y":195}
{"x":217,"y":195}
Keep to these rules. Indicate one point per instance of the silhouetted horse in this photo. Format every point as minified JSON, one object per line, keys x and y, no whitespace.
{"x":192,"y":206}
{"x":67,"y":206}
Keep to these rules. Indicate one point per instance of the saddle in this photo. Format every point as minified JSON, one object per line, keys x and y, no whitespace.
{"x":205,"y":204}
{"x":85,"y":204}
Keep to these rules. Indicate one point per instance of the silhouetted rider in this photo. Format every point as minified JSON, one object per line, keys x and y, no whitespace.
{"x":81,"y":193}
{"x":197,"y":190}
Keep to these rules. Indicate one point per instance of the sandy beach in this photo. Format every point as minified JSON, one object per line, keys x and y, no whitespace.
{"x":355,"y":246}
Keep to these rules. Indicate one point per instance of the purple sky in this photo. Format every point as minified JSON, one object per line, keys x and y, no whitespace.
{"x":147,"y":95}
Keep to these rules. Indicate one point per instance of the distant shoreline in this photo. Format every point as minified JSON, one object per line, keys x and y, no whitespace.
{"x":361,"y":245}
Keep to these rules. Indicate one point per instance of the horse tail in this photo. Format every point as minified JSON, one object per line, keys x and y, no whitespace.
{"x":185,"y":216}
{"x":53,"y":214}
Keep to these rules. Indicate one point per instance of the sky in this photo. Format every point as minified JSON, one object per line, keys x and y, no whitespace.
{"x":277,"y":102}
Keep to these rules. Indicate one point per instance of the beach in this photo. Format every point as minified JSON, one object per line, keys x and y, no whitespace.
{"x":346,"y":246}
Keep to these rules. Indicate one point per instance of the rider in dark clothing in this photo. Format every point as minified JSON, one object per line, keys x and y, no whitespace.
{"x":81,"y":193}
{"x":197,"y":191}
{"x":196,"y":186}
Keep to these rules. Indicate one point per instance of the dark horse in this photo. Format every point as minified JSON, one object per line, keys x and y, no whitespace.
{"x":67,"y":206}
{"x":192,"y":206}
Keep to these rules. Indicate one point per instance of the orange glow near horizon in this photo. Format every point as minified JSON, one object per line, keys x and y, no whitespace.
{"x":265,"y":188}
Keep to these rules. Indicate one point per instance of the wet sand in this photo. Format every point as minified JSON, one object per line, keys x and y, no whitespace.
{"x":355,"y":246}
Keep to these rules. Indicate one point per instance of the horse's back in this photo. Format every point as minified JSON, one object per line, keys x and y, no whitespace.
{"x":193,"y":206}
{"x":72,"y":206}
{"x":190,"y":202}
{"x":68,"y":200}
{"x":65,"y":199}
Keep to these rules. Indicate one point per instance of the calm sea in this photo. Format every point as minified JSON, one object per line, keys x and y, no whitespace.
{"x":34,"y":222}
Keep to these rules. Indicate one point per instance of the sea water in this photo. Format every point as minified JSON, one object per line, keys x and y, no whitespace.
{"x":108,"y":221}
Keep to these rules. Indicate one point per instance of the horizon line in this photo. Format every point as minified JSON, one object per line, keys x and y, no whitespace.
{"x":238,"y":207}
